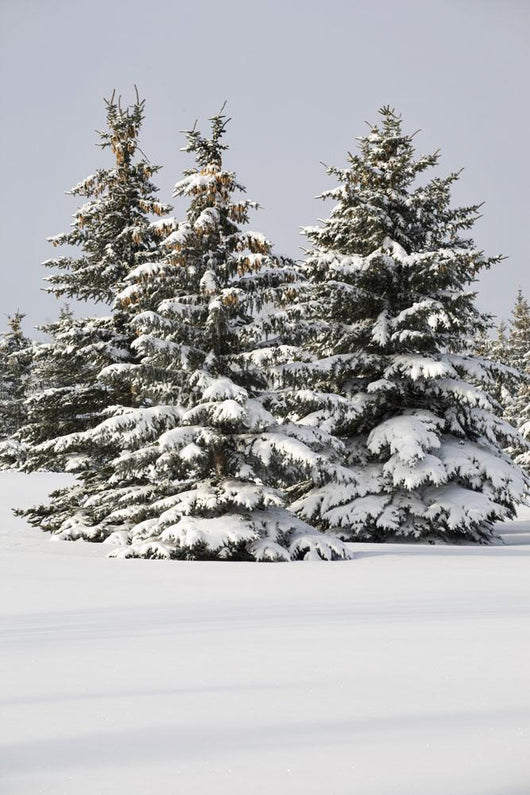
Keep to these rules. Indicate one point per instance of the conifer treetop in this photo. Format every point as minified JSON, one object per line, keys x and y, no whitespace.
{"x":377,"y":199}
{"x":208,"y":151}
{"x":113,"y":228}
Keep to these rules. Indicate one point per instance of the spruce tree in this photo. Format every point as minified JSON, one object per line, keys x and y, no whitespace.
{"x":67,"y":395}
{"x":389,"y":318}
{"x":15,"y":383}
{"x":114,"y":233}
{"x":202,"y":463}
{"x":495,"y":348}
{"x":517,"y":355}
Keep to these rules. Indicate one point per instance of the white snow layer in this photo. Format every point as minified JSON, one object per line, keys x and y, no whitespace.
{"x":404,"y":671}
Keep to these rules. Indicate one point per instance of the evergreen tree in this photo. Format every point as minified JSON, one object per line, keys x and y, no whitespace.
{"x":517,"y":342}
{"x":389,"y":318}
{"x":494,"y":348}
{"x":67,"y":396}
{"x":114,"y":231}
{"x":201,"y":462}
{"x":517,"y":355}
{"x":15,"y":378}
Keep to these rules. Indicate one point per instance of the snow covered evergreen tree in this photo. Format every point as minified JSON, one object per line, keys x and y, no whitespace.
{"x":519,"y":338}
{"x":67,"y":396}
{"x":115,"y":232}
{"x":200,"y":463}
{"x":511,"y":347}
{"x":517,"y":354}
{"x":389,"y":319}
{"x":15,"y":377}
{"x":494,"y":348}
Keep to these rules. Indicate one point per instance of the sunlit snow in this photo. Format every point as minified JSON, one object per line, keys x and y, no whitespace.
{"x":404,"y":671}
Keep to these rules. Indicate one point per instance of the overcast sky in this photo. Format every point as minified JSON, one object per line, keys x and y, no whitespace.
{"x":301,"y":77}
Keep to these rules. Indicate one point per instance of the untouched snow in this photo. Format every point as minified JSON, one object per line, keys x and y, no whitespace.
{"x":404,"y":671}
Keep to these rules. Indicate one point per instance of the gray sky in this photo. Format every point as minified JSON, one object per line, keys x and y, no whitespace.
{"x":301,"y":77}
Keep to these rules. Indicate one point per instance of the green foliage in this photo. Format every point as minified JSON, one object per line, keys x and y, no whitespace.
{"x":190,"y":467}
{"x":384,"y":327}
{"x":15,"y":383}
{"x":112,"y":228}
{"x":68,"y":395}
{"x":235,"y":406}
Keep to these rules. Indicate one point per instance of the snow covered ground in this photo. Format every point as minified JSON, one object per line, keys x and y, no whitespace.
{"x":403,"y":672}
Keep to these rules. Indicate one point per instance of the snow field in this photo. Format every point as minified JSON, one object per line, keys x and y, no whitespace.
{"x":404,"y":671}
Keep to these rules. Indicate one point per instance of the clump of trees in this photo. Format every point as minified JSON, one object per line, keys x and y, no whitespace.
{"x":234,"y":404}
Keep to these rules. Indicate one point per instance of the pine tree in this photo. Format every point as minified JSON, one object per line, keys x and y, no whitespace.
{"x":517,"y":355}
{"x":114,"y":232}
{"x":390,"y":317}
{"x":494,"y":348}
{"x":202,"y":462}
{"x":517,"y":342}
{"x":67,"y":394}
{"x":15,"y":379}
{"x":511,"y":347}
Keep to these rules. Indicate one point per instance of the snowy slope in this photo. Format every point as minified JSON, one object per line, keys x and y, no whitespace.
{"x":405,"y":671}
